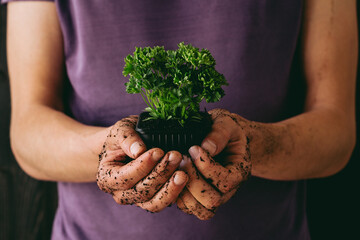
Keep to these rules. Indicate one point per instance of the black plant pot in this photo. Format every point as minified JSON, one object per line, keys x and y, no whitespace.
{"x":170,"y":135}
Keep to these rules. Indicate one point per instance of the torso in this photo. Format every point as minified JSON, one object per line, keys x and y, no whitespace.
{"x":253,"y":43}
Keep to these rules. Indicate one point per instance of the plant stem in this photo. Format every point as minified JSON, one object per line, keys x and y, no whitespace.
{"x":147,"y":102}
{"x":148,"y":94}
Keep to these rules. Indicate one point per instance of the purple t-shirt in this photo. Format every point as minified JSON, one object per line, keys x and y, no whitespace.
{"x":253,"y":43}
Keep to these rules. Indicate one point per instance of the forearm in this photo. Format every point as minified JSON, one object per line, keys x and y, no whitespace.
{"x":315,"y":144}
{"x":51,"y":146}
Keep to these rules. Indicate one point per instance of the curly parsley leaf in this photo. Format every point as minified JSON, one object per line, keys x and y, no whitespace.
{"x":174,"y":82}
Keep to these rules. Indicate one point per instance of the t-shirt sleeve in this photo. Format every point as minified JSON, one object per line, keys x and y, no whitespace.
{"x":6,"y":1}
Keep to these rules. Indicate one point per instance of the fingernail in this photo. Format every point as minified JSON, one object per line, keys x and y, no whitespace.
{"x":194,"y":152}
{"x":173,"y":158}
{"x":156,"y":156}
{"x":209,"y":146}
{"x":179,"y":179}
{"x":135,"y":148}
{"x":183,"y":162}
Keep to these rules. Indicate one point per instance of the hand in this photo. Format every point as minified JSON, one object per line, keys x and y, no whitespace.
{"x":200,"y":198}
{"x":228,"y":142}
{"x":150,"y":180}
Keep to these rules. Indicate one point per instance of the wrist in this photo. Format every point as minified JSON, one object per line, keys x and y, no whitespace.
{"x":95,"y":139}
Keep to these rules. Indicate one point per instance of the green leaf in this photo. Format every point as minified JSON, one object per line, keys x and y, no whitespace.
{"x":173,"y":82}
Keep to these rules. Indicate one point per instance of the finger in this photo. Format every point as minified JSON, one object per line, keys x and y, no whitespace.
{"x":123,"y":177}
{"x":220,"y":133}
{"x":108,"y":156}
{"x":223,"y":178}
{"x":148,"y":186}
{"x":202,"y":191}
{"x":240,"y":166}
{"x":167,"y":194}
{"x":227,"y":196}
{"x":181,"y":205}
{"x":123,"y":135}
{"x":188,"y":204}
{"x":109,"y":161}
{"x":217,"y":139}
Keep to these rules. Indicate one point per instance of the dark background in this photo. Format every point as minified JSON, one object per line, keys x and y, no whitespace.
{"x":27,"y":206}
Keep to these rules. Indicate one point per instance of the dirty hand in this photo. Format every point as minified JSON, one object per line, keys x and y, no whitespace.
{"x":150,"y":180}
{"x":224,"y":161}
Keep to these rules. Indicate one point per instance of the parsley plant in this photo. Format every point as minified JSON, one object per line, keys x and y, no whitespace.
{"x":174,"y":82}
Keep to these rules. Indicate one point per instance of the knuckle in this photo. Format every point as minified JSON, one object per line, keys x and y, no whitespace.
{"x":127,"y":134}
{"x":218,"y":110}
{"x":113,"y":131}
{"x":219,"y":113}
{"x":134,"y":117}
{"x":221,"y":130}
{"x":128,"y":121}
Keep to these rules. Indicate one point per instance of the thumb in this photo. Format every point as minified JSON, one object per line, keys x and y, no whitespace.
{"x":217,"y":139}
{"x":127,"y":138}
